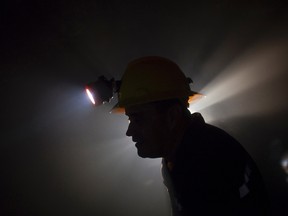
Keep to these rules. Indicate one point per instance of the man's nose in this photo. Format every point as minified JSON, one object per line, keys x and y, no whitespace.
{"x":129,"y":130}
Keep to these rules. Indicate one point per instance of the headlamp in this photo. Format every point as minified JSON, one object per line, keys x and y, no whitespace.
{"x":102,"y":90}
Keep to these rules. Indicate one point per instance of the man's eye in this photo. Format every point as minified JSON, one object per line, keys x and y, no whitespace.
{"x":135,"y":120}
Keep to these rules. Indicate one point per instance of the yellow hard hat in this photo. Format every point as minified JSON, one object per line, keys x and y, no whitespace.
{"x":150,"y":79}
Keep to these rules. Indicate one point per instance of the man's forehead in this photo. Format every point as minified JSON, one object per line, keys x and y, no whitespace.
{"x":139,"y":109}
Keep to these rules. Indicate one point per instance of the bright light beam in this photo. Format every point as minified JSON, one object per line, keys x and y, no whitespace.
{"x":250,"y":77}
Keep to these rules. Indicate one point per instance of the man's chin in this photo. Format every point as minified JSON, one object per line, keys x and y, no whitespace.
{"x":141,"y":153}
{"x":146,"y":154}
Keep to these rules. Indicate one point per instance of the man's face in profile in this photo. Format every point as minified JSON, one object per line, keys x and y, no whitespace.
{"x":148,"y":130}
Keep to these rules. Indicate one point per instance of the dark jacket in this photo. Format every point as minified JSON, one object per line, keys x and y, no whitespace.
{"x":212,"y":174}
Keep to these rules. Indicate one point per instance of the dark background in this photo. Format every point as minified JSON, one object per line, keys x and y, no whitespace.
{"x":61,"y":156}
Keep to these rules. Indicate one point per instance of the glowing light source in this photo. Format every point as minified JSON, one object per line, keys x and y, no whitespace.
{"x":284,"y":163}
{"x":102,"y":90}
{"x":90,"y":95}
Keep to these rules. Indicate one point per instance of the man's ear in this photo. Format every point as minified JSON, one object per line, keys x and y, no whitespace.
{"x":173,"y":117}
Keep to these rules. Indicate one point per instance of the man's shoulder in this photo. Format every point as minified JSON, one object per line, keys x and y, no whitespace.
{"x":209,"y":142}
{"x":201,"y":131}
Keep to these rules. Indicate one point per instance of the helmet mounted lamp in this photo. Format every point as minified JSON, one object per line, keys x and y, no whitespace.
{"x":102,"y":90}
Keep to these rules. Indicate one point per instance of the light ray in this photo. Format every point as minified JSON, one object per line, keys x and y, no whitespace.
{"x":251,"y":82}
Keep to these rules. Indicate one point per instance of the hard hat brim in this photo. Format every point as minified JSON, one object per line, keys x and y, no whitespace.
{"x":117,"y":109}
